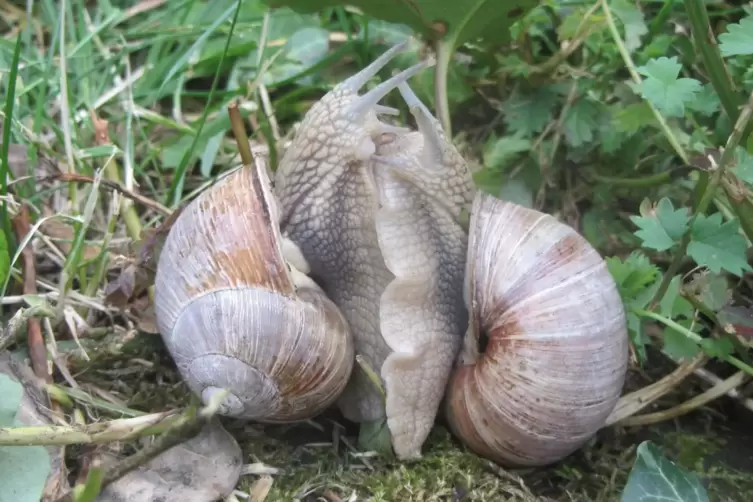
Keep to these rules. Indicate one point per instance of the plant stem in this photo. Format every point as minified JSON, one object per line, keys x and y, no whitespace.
{"x":102,"y":432}
{"x":705,"y":199}
{"x":692,"y":336}
{"x":712,"y":60}
{"x":637,"y":79}
{"x":647,"y":181}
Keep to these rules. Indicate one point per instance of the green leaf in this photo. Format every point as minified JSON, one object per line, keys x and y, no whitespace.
{"x":464,"y":21}
{"x":580,"y":122}
{"x":654,"y":478}
{"x":498,"y":153}
{"x":633,"y":22}
{"x":678,"y":346}
{"x":738,"y":41}
{"x":706,"y":102}
{"x":633,"y":117}
{"x":664,"y":227}
{"x":743,"y":165}
{"x":23,"y":469}
{"x":718,"y":246}
{"x":12,"y":392}
{"x":4,"y":258}
{"x":633,"y":275}
{"x":528,"y":114}
{"x":375,"y":436}
{"x":718,"y":347}
{"x":663,"y":89}
{"x":672,"y":304}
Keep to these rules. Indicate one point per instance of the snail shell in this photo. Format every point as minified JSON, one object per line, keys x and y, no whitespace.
{"x":546,"y":352}
{"x":237,"y":312}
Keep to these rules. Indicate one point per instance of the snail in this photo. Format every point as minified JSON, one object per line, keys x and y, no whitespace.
{"x":511,"y":327}
{"x":238,"y":313}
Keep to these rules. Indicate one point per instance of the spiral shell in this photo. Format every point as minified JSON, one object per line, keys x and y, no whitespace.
{"x":236,"y":315}
{"x":546,"y":353}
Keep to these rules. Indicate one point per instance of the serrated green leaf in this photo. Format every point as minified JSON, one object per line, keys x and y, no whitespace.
{"x":633,"y":22}
{"x":633,"y":117}
{"x":738,"y":41}
{"x":663,"y":89}
{"x":718,"y":246}
{"x":678,"y":346}
{"x":500,"y":151}
{"x":528,"y":114}
{"x":633,"y":274}
{"x":654,"y":478}
{"x":718,"y":347}
{"x":664,"y":228}
{"x":581,"y":122}
{"x":706,"y":102}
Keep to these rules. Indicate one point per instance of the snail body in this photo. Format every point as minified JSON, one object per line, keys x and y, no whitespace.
{"x":328,"y":200}
{"x":238,"y":313}
{"x":514,"y":330}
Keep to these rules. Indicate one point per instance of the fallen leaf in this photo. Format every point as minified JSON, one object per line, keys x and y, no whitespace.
{"x":203,"y":469}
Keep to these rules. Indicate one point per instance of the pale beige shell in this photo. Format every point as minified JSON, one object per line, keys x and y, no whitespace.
{"x":235,"y":315}
{"x":546,"y":353}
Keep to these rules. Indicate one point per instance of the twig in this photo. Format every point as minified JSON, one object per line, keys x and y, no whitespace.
{"x":634,"y":402}
{"x":37,"y":350}
{"x":188,"y":425}
{"x":102,"y":432}
{"x":733,"y":393}
{"x":112,"y":185}
{"x":713,"y":393}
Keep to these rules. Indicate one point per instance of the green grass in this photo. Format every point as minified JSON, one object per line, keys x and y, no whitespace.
{"x":139,"y":99}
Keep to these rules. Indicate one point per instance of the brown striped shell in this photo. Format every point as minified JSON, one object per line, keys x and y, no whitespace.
{"x":237,"y":312}
{"x":546,"y":352}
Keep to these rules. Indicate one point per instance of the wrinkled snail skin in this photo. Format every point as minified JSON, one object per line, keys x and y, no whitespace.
{"x":236,"y":315}
{"x":423,"y":185}
{"x":557,"y":350}
{"x":328,"y":201}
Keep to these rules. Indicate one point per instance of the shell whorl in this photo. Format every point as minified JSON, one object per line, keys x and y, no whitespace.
{"x":556,"y":349}
{"x":233,"y":316}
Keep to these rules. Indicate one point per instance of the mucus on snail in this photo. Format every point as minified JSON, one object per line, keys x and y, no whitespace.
{"x":360,"y":248}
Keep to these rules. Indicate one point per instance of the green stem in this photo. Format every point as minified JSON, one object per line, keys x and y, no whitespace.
{"x":705,"y":200}
{"x":712,"y":60}
{"x":646,"y":181}
{"x":637,"y":79}
{"x":692,"y":336}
